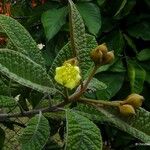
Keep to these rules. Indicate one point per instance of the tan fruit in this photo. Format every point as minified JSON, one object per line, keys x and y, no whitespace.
{"x":127,"y":110}
{"x":108,"y":58}
{"x":135,"y":100}
{"x":97,"y":56}
{"x":103,"y":48}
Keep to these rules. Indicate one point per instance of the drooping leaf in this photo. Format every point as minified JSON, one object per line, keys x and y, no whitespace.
{"x":121,"y":7}
{"x":78,"y":38}
{"x":100,"y":2}
{"x":53,"y":20}
{"x":2,"y":138}
{"x":25,"y":71}
{"x":144,"y":55}
{"x":36,"y":134}
{"x":137,"y":76}
{"x":113,"y":80}
{"x":81,"y":133}
{"x":125,"y":9}
{"x":20,"y":38}
{"x":115,"y":41}
{"x":6,"y":101}
{"x":91,"y":16}
{"x":140,"y":30}
{"x":130,"y":42}
{"x":137,"y":126}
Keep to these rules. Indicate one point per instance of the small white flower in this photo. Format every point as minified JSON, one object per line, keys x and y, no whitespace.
{"x":40,"y":46}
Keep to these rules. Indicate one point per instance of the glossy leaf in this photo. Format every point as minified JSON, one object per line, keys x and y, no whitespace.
{"x":144,"y":55}
{"x":81,"y":133}
{"x":137,"y":76}
{"x":113,"y":81}
{"x":140,"y":30}
{"x":121,"y":7}
{"x":91,"y":16}
{"x":36,"y":134}
{"x":53,"y":20}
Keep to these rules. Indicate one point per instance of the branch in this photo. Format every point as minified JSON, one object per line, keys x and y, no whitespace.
{"x":100,"y":102}
{"x":33,"y":112}
{"x":75,"y":96}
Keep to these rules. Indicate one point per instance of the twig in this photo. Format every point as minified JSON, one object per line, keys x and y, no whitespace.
{"x":32,"y":112}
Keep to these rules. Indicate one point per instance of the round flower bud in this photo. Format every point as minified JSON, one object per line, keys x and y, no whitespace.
{"x":108,"y":58}
{"x":135,"y":100}
{"x":103,"y":48}
{"x":68,"y":75}
{"x":96,"y":56}
{"x":127,"y":110}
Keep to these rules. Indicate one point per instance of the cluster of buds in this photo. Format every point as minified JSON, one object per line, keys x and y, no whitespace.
{"x":5,"y":8}
{"x":132,"y":102}
{"x":101,"y":56}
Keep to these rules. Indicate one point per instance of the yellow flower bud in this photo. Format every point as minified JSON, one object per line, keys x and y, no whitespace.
{"x":68,"y":75}
{"x":127,"y":110}
{"x":108,"y":58}
{"x":135,"y":100}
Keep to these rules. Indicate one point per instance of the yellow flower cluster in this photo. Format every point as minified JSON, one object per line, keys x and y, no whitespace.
{"x":68,"y":75}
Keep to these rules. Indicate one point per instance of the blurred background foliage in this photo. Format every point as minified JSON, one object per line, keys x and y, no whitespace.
{"x":124,"y":25}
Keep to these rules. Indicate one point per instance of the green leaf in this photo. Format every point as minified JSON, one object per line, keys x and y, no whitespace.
{"x":53,"y":20}
{"x":144,"y":55}
{"x":66,"y":53}
{"x":95,"y":84}
{"x":81,"y":133}
{"x":100,"y":2}
{"x":20,"y":38}
{"x":2,"y":138}
{"x":36,"y":134}
{"x":78,"y":38}
{"x":25,"y":71}
{"x":130,"y":42}
{"x":121,"y":7}
{"x":6,"y":101}
{"x":125,"y":9}
{"x":91,"y":16}
{"x":113,"y":80}
{"x":138,"y":126}
{"x":115,"y":41}
{"x":140,"y":30}
{"x":137,"y":76}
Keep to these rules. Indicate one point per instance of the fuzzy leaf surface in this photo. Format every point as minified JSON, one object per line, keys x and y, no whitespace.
{"x":20,"y":38}
{"x":23,"y":70}
{"x":36,"y":134}
{"x":82,"y":133}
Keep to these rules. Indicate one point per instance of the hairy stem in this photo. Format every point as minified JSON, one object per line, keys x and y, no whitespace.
{"x":33,"y":112}
{"x":101,"y":102}
{"x":75,"y":96}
